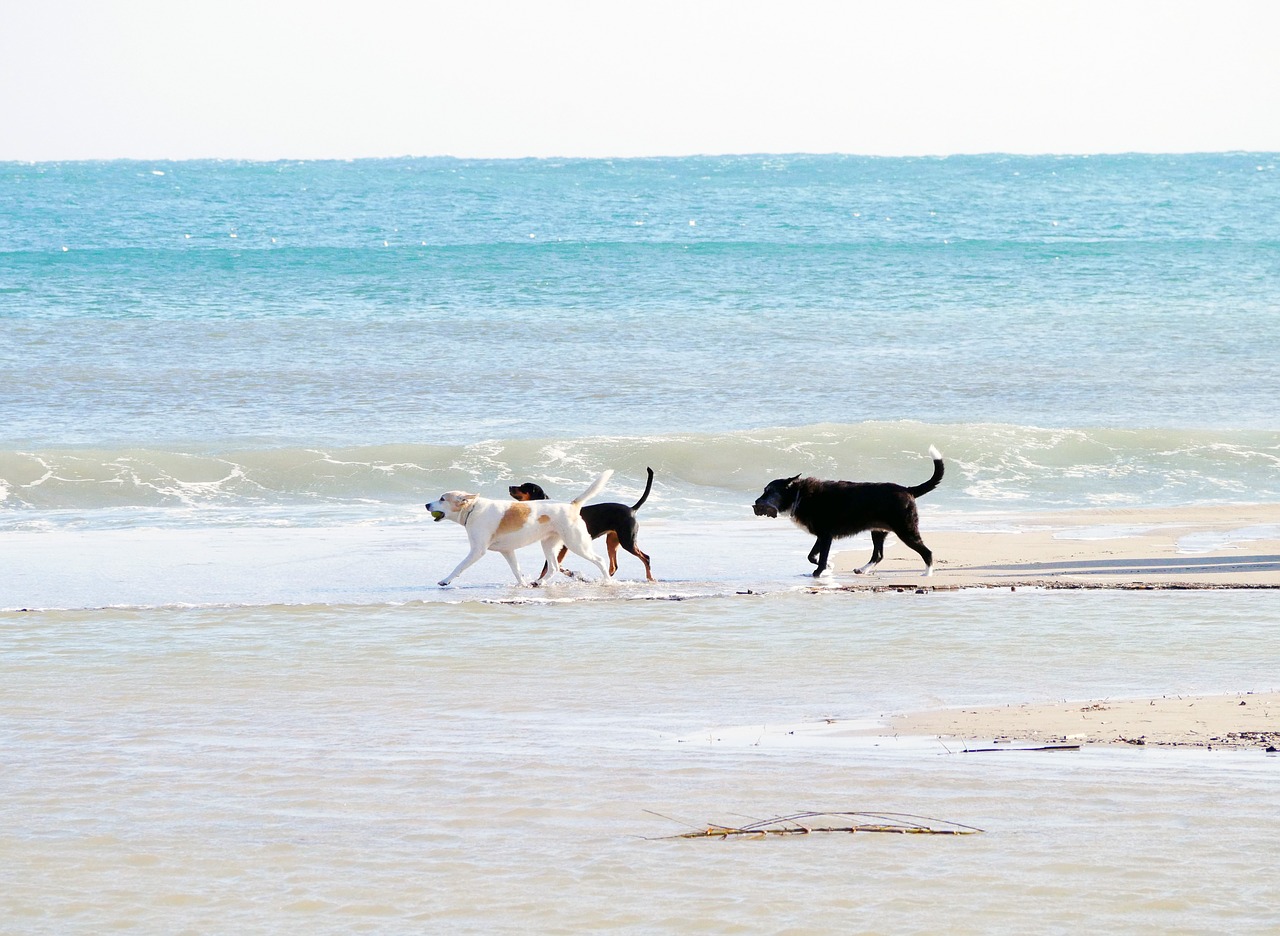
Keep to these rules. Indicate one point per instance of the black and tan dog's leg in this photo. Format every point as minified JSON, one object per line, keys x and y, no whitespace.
{"x":611,"y":543}
{"x":627,"y":541}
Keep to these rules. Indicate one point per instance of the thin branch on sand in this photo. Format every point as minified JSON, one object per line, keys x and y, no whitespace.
{"x":806,"y":823}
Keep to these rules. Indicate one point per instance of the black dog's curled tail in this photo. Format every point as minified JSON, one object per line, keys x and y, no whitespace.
{"x":645,"y":496}
{"x":922,"y":489}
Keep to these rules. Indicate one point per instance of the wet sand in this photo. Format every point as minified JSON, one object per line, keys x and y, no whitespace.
{"x":1237,"y":720}
{"x":1236,"y":546}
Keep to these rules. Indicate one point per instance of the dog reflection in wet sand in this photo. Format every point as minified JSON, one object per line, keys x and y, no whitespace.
{"x":835,"y":509}
{"x":505,"y":526}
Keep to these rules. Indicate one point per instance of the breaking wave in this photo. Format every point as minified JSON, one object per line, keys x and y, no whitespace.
{"x":707,"y":475}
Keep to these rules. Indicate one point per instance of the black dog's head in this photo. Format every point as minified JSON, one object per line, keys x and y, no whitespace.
{"x":527,"y":492}
{"x":778,"y":497}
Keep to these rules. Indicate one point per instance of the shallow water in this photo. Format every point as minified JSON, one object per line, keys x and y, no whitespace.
{"x":484,"y":767}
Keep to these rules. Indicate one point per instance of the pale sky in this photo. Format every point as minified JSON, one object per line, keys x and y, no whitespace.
{"x":271,"y":79}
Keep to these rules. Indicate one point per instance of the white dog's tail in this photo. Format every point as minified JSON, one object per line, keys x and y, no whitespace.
{"x":596,"y":487}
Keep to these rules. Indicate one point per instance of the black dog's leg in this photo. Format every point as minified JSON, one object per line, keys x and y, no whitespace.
{"x":911,"y":537}
{"x":817,"y":548}
{"x":823,"y":549}
{"x":877,"y":551}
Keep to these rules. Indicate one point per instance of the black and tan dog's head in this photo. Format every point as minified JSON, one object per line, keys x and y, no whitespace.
{"x":778,"y":497}
{"x":527,"y":492}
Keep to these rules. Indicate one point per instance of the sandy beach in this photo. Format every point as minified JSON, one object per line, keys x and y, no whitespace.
{"x":1236,"y":546}
{"x":1236,"y":720}
{"x":1192,"y":548}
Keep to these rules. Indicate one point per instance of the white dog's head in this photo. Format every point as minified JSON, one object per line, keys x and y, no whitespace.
{"x":452,"y":504}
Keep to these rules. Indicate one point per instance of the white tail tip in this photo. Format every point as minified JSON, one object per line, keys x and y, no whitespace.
{"x":934,"y":453}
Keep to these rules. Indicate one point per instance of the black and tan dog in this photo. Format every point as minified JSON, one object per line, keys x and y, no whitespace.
{"x":617,"y":522}
{"x":834,"y":509}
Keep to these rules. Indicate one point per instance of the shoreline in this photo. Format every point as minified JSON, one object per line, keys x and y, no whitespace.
{"x":1233,"y":721}
{"x":1199,"y":548}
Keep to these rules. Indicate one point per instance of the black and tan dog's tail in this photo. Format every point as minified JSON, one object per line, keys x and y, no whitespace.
{"x":645,"y":496}
{"x":921,"y":489}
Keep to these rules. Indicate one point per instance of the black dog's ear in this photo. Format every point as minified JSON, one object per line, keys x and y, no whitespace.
{"x":793,"y":480}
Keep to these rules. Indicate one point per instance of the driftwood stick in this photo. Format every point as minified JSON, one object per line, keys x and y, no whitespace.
{"x":803,"y":824}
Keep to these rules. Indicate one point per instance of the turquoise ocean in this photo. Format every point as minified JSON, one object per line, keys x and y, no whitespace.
{"x":233,"y":699}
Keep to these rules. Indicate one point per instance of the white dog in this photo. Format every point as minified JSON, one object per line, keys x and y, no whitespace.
{"x":505,"y":526}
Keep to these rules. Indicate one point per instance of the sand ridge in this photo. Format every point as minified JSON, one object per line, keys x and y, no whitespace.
{"x":1234,"y":546}
{"x":1203,"y":547}
{"x":1237,"y":720}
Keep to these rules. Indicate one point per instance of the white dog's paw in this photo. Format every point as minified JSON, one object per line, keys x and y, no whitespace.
{"x":443,"y":583}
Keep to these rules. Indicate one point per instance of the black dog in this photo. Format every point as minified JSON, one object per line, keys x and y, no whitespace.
{"x":616,"y":520}
{"x":833,"y":509}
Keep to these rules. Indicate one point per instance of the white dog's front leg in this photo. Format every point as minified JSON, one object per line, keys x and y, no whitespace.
{"x":472,"y":558}
{"x":510,"y":556}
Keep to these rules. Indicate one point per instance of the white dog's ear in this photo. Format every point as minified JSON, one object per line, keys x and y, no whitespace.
{"x":466,"y":500}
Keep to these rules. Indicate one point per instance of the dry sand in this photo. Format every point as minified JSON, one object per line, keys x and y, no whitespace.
{"x":1235,"y":546}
